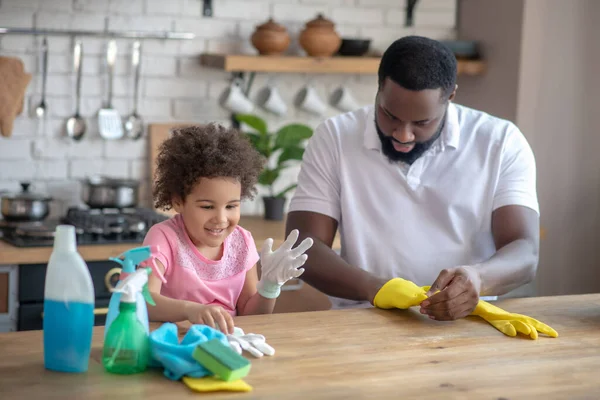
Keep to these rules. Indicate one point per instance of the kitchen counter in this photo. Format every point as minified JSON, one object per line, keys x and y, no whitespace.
{"x":366,"y":353}
{"x":260,"y":228}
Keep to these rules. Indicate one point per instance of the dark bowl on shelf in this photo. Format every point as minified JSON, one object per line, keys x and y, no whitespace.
{"x":354,"y":47}
{"x":463,"y":49}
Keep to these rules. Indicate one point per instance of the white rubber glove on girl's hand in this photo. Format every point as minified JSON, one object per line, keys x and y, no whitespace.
{"x":281,"y":265}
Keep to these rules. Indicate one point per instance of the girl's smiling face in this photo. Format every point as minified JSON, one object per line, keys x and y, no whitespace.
{"x":211,"y":212}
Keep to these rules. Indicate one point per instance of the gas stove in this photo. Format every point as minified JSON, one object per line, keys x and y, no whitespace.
{"x":92,"y":226}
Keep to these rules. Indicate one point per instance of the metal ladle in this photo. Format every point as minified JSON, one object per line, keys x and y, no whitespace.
{"x":134,"y":125}
{"x":76,"y":124}
{"x":40,"y":110}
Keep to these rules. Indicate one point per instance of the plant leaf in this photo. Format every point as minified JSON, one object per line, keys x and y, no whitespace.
{"x":290,"y":153}
{"x":261,"y":143}
{"x":268,"y":176}
{"x":292,"y":135}
{"x":253,"y":121}
{"x":287,"y":189}
{"x":254,"y":139}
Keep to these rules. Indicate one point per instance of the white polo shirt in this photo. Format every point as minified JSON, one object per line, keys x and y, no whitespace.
{"x":413,"y":221}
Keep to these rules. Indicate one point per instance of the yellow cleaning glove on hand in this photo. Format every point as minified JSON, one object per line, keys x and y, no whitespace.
{"x":399,"y":293}
{"x":403,"y":294}
{"x":509,"y":323}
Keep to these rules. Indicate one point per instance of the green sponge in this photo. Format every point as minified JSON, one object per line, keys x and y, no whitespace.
{"x":221,"y":360}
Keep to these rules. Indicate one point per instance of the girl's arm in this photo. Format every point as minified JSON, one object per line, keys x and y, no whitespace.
{"x":250,"y":301}
{"x":173,"y":310}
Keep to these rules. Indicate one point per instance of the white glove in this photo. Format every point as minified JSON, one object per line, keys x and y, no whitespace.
{"x":252,"y":343}
{"x":281,"y":265}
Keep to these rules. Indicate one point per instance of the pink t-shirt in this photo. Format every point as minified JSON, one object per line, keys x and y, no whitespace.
{"x":191,"y":276}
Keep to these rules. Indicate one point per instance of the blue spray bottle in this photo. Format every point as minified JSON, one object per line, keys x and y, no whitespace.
{"x":128,"y":261}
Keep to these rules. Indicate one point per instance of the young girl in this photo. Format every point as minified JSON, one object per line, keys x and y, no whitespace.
{"x":205,"y":268}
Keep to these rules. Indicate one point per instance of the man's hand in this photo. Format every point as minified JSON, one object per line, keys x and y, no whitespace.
{"x":453,"y":295}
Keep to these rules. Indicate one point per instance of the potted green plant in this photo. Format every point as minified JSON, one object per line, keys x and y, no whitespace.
{"x":281,"y":149}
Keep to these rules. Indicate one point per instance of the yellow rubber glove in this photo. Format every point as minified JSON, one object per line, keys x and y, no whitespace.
{"x":509,"y":323}
{"x":212,"y":384}
{"x":399,"y":293}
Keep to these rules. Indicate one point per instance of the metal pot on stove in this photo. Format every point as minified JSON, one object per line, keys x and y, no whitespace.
{"x":104,"y":192}
{"x":25,"y":206}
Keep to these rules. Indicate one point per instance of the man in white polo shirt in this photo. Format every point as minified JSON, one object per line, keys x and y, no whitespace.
{"x":421,"y":189}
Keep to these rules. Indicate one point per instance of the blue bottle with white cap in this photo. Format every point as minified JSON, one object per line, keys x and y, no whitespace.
{"x":68,"y":306}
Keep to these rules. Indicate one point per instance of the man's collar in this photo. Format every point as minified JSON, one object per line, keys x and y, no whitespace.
{"x":451,"y":130}
{"x":371,"y":140}
{"x":450,"y":133}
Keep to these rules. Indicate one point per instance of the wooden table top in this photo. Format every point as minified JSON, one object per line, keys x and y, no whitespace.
{"x":260,"y":228}
{"x":361,"y":354}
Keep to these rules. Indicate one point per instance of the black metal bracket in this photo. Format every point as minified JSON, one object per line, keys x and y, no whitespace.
{"x":241,"y":76}
{"x":410,"y":8}
{"x":207,"y":9}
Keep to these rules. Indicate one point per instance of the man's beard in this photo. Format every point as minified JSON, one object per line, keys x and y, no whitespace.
{"x":387,"y":145}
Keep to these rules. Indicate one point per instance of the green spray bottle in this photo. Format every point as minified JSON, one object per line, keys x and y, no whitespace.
{"x":127,"y":344}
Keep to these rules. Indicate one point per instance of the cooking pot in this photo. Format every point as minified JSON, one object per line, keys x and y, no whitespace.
{"x":25,"y":206}
{"x":104,"y":192}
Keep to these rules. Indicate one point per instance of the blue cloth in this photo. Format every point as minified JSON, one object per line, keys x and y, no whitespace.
{"x":176,"y":358}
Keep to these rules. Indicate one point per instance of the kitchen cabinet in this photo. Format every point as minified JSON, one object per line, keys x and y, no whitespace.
{"x":8,"y":297}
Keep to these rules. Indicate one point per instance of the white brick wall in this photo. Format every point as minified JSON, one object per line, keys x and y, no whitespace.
{"x":366,"y":16}
{"x":174,"y":86}
{"x":14,"y":149}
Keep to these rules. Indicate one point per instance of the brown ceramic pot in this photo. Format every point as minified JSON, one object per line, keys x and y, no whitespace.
{"x":319,"y":38}
{"x":270,"y":38}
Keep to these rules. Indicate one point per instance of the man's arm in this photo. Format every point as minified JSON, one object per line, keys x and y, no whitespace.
{"x":325,"y":269}
{"x":516,"y":235}
{"x":516,"y":231}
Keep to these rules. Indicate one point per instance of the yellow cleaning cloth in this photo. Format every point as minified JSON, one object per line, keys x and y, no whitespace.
{"x":399,"y":293}
{"x":212,"y":384}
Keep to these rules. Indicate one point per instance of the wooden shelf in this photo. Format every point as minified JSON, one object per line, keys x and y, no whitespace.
{"x":329,"y":65}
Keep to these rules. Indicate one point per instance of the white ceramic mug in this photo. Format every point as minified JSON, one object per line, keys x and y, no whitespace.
{"x":342,"y":99}
{"x":308,"y":100}
{"x":234,"y":99}
{"x":270,"y":99}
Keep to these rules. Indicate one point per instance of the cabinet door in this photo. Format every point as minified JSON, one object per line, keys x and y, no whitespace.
{"x":4,"y":294}
{"x":8,"y":297}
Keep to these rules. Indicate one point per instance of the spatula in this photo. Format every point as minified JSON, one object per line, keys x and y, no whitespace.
{"x":109,"y":120}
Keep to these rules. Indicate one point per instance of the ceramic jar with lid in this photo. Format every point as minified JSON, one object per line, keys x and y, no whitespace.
{"x":270,"y":38}
{"x":319,"y":38}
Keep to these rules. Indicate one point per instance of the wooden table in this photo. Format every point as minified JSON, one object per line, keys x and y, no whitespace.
{"x":361,"y":354}
{"x":260,"y":228}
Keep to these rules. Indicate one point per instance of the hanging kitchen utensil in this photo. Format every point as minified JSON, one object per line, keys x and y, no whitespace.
{"x":41,"y":109}
{"x":134,"y":125}
{"x":76,"y":124}
{"x":13,"y":84}
{"x":109,"y":121}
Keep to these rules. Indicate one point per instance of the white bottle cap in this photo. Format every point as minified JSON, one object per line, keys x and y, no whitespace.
{"x":64,"y":238}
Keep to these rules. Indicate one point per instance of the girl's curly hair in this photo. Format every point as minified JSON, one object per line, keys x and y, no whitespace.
{"x":208,"y":151}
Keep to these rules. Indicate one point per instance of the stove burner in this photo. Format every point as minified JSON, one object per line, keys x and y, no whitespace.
{"x":92,"y":226}
{"x":36,"y":230}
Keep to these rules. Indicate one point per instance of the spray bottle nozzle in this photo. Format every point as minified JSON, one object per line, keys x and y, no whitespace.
{"x":130,"y":258}
{"x":134,"y":283}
